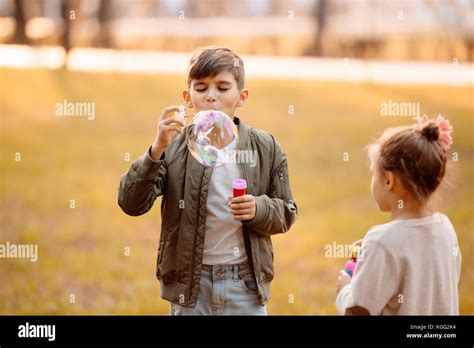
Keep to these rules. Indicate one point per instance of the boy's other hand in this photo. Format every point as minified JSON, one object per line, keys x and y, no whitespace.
{"x":168,"y":128}
{"x":243,"y":207}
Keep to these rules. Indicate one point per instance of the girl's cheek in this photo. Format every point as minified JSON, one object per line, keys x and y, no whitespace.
{"x":372,"y":188}
{"x":376,"y":193}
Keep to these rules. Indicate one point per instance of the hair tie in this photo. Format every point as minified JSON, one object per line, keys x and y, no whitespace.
{"x":445,"y":129}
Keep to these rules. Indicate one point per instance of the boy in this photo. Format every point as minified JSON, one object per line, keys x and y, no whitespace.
{"x":215,"y":257}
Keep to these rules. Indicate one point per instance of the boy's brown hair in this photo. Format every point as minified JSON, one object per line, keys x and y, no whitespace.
{"x":212,"y":60}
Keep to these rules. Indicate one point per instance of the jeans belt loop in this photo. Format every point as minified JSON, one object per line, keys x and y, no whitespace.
{"x":236,"y":272}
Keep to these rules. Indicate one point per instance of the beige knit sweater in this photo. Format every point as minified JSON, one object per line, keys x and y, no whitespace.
{"x":406,"y":267}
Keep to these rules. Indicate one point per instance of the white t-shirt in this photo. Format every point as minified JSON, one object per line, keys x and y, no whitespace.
{"x":224,"y":239}
{"x":406,"y":267}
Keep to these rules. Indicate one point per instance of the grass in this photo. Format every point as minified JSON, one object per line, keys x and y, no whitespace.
{"x":81,"y":250}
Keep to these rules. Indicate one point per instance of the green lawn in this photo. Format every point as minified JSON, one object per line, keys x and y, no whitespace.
{"x":81,"y":250}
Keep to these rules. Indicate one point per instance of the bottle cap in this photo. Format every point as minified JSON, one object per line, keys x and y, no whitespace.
{"x":355,"y":252}
{"x":239,"y":184}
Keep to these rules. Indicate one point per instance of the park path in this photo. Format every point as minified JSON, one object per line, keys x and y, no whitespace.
{"x":454,"y":72}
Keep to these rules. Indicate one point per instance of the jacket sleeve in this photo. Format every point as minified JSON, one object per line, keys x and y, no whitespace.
{"x":142,"y":184}
{"x":275,"y":211}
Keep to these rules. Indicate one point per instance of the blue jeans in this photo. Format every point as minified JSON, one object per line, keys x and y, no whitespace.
{"x":225,"y":290}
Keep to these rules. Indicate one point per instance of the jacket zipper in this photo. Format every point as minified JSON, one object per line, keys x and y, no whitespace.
{"x":282,"y":179}
{"x":252,"y":268}
{"x":190,"y":289}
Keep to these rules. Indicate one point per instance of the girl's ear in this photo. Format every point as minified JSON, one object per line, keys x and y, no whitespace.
{"x":389,"y":180}
{"x":244,"y":94}
{"x":187,"y":99}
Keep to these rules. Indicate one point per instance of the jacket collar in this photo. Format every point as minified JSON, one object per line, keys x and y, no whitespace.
{"x":244,"y":131}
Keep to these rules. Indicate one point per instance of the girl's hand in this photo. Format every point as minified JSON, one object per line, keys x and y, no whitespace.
{"x":243,"y":207}
{"x":356,"y":243}
{"x":343,"y":280}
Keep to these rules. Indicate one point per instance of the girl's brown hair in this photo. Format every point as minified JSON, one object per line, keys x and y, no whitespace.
{"x":416,"y":157}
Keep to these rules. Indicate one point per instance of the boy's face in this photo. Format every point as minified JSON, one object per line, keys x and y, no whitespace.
{"x":219,"y":92}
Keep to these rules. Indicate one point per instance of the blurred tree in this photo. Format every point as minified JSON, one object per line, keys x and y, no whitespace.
{"x":20,"y":36}
{"x":104,"y":15}
{"x":66,"y":7}
{"x":320,"y":16}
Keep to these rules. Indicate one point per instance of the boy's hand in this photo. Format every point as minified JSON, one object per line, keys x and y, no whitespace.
{"x":168,"y":128}
{"x":343,"y":280}
{"x":243,"y":207}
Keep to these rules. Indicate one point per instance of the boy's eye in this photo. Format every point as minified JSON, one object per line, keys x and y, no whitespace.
{"x":203,"y":89}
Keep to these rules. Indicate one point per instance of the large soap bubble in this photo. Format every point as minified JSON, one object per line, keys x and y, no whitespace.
{"x":213,"y":138}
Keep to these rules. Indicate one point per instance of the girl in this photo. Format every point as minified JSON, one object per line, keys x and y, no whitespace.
{"x":410,"y":265}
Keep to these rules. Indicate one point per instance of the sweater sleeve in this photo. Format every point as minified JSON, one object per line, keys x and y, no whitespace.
{"x":375,"y":281}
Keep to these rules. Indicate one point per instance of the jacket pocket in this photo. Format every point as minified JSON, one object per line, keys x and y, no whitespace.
{"x":282,"y":182}
{"x":161,"y":250}
{"x":266,"y":261}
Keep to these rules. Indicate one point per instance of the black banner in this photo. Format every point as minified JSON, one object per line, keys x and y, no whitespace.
{"x":157,"y":330}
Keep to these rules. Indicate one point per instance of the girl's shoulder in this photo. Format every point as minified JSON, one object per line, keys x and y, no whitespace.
{"x":401,"y":229}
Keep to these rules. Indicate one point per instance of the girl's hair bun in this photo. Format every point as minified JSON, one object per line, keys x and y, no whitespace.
{"x":430,"y":131}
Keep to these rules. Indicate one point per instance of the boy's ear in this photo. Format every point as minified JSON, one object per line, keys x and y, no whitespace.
{"x":244,"y":94}
{"x":187,"y":98}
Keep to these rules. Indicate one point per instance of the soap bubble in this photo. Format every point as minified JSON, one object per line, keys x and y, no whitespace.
{"x":212,"y":138}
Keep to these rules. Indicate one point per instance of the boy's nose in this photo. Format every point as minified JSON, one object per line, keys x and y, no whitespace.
{"x":210,"y":97}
